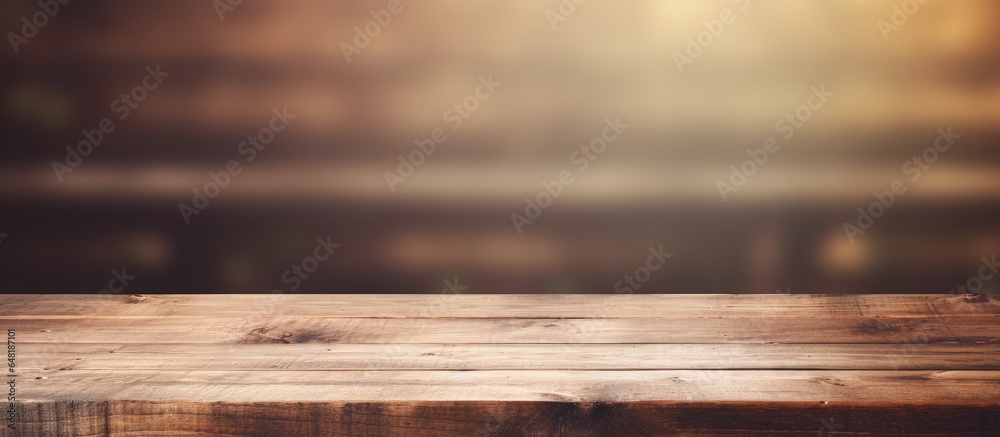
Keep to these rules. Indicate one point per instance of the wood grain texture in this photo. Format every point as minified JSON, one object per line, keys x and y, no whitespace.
{"x":507,"y":306}
{"x":949,"y":386}
{"x":507,"y":419}
{"x":319,"y":356}
{"x":506,"y":365}
{"x":815,"y":329}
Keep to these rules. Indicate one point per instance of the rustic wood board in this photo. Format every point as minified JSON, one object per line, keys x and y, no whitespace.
{"x":506,"y":365}
{"x":587,"y":356}
{"x":816,"y":329}
{"x":549,"y":306}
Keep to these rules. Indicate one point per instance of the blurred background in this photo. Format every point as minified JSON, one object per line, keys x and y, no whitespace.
{"x":563,"y":70}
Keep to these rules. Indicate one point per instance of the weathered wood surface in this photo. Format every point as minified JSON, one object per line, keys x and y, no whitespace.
{"x":506,"y":365}
{"x":508,"y":306}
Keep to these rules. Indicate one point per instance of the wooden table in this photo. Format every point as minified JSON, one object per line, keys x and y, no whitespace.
{"x":505,"y":365}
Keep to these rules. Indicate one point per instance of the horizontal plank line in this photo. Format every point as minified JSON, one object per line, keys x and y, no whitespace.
{"x":320,"y":357}
{"x":816,"y":330}
{"x":431,"y":318}
{"x":529,"y":385}
{"x":498,"y":306}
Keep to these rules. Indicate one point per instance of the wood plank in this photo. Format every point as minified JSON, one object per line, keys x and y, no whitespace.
{"x":317,"y":357}
{"x":496,"y":306}
{"x":967,"y":329}
{"x":690,"y":365}
{"x":502,"y":419}
{"x":844,"y":386}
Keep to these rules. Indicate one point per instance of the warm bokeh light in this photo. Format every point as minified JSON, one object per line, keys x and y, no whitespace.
{"x":426,"y":147}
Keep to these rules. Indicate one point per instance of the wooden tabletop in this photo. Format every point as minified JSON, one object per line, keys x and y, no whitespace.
{"x":504,"y":365}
